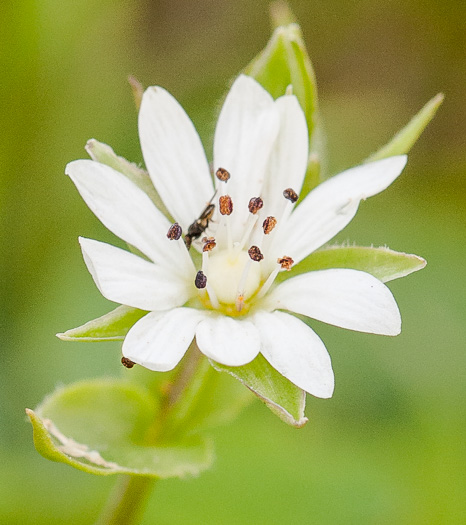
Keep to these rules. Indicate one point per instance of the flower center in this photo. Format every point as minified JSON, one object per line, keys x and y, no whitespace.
{"x":231,"y":272}
{"x":226,"y":274}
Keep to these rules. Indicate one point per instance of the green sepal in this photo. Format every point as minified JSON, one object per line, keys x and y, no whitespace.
{"x":104,"y":154}
{"x":109,"y":327}
{"x":405,"y":139}
{"x":101,"y":427}
{"x":383,"y":263}
{"x":285,"y":62}
{"x":284,"y":399}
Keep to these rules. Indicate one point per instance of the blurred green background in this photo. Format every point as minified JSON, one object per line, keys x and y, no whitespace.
{"x":389,"y":446}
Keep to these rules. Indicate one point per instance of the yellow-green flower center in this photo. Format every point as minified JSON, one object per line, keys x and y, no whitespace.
{"x":231,"y":273}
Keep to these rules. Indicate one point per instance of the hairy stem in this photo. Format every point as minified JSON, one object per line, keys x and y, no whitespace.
{"x":127,"y":501}
{"x":129,"y":498}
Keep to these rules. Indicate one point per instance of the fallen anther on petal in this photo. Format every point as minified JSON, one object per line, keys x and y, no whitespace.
{"x":290,"y":194}
{"x":209,"y":244}
{"x":255,"y":204}
{"x":222,"y":174}
{"x":285,"y":262}
{"x":225,"y":205}
{"x":255,"y":254}
{"x":127,"y":363}
{"x":175,"y":231}
{"x":201,"y":280}
{"x":269,"y":224}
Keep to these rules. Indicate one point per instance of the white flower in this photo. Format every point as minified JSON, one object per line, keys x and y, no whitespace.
{"x":222,"y":291}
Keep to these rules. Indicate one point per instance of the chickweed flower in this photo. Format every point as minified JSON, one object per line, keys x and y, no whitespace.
{"x":209,"y":270}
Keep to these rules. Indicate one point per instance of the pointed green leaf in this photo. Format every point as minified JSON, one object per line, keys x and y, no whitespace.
{"x":283,"y":398}
{"x":383,"y":263}
{"x":405,"y":139}
{"x":109,"y":327}
{"x":285,"y":62}
{"x":99,"y":426}
{"x":104,"y":154}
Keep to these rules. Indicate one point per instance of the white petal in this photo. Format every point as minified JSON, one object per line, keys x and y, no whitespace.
{"x":174,"y":156}
{"x":246,"y":131}
{"x":127,"y":212}
{"x":128,"y":279}
{"x":332,"y":205}
{"x":296,"y":351}
{"x":288,"y":161}
{"x":159,"y":340}
{"x":346,"y":298}
{"x":228,"y":341}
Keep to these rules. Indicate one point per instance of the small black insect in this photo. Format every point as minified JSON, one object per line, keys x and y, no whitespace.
{"x":199,"y":226}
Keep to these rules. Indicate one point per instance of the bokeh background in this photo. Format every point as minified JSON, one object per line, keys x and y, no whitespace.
{"x":389,"y":446}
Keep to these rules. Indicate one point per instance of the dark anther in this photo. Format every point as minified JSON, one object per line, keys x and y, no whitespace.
{"x":201,"y":280}
{"x":175,"y":231}
{"x":290,"y":194}
{"x":222,"y":174}
{"x":285,"y":262}
{"x":255,"y":253}
{"x":255,"y":204}
{"x":127,"y":363}
{"x":225,"y":205}
{"x":269,"y":224}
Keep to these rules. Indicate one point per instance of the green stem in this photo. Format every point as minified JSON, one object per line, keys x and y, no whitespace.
{"x":127,"y":501}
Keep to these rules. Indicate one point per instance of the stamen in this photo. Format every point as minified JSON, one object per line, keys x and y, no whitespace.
{"x":209,"y":244}
{"x":174,"y":232}
{"x":127,"y":363}
{"x":285,"y":262}
{"x":255,"y":253}
{"x":269,"y":224}
{"x":212,"y":296}
{"x":222,"y":174}
{"x":268,"y":283}
{"x":290,"y":194}
{"x":252,"y":219}
{"x":225,"y":205}
{"x":255,"y":204}
{"x":201,"y":280}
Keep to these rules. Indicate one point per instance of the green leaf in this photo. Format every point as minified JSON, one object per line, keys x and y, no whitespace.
{"x":283,"y":398}
{"x":98,"y":426}
{"x":109,"y":327}
{"x":285,"y":62}
{"x":405,"y":139}
{"x":104,"y":154}
{"x":383,"y":263}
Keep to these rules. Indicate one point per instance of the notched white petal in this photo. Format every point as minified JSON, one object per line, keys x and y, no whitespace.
{"x":244,"y":137}
{"x":296,"y":351}
{"x":160,"y":339}
{"x":332,"y":205}
{"x":347,"y":298}
{"x":229,"y":341}
{"x":127,"y":279}
{"x":127,"y":212}
{"x":289,"y":157}
{"x":174,"y":156}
